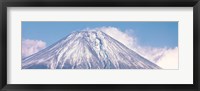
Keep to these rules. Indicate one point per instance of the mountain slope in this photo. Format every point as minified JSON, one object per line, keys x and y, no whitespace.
{"x":87,"y":50}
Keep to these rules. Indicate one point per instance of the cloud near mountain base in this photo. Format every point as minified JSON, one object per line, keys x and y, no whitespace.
{"x":30,"y":47}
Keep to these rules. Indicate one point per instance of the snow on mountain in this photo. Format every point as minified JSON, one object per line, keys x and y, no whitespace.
{"x":87,"y":50}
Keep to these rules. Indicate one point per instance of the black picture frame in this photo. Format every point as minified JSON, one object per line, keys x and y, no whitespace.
{"x":99,"y":3}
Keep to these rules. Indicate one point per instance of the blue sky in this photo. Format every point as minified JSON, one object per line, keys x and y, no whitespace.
{"x":154,"y":34}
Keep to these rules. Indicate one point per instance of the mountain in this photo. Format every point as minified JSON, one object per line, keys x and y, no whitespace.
{"x":87,"y":50}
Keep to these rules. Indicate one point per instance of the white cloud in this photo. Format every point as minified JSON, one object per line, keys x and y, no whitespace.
{"x":166,"y":58}
{"x":122,"y":37}
{"x":169,"y":60}
{"x":30,"y":47}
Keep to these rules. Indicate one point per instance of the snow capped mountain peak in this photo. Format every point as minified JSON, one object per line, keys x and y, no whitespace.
{"x":87,"y":50}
